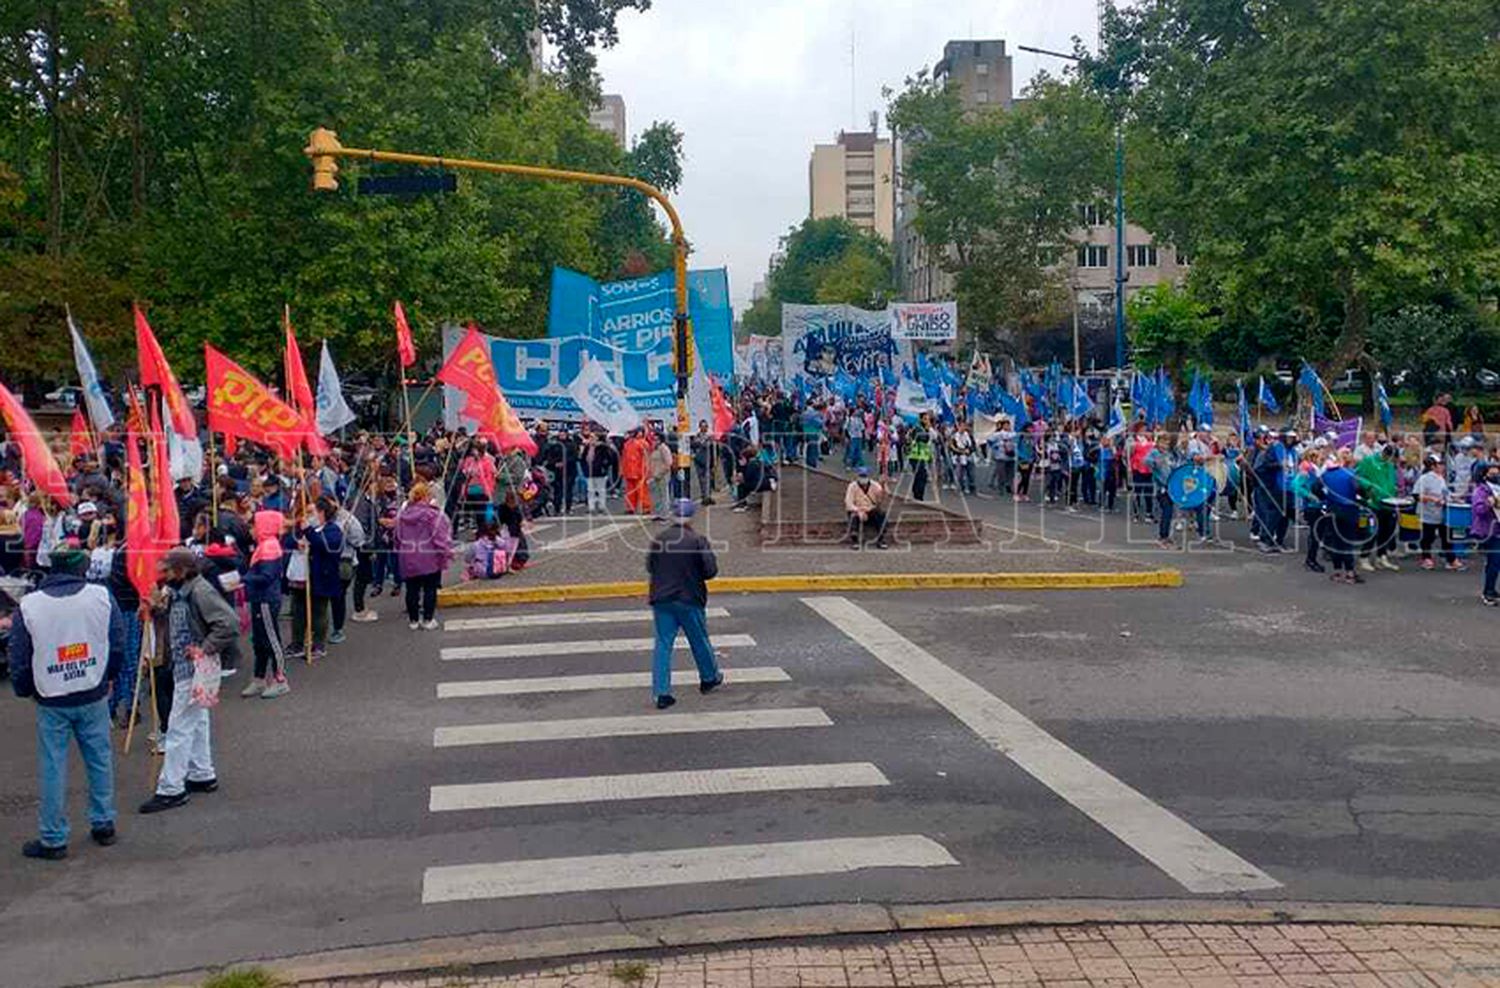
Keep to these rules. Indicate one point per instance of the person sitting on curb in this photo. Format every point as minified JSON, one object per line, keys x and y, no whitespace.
{"x":863,"y":500}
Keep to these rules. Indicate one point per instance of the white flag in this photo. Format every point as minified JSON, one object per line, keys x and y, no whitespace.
{"x":88,"y":376}
{"x":911,"y":400}
{"x":184,"y":453}
{"x":601,"y":401}
{"x":333,"y":412}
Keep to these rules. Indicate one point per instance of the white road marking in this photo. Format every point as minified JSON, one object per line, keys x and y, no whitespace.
{"x":559,"y":619}
{"x":619,"y":727}
{"x":688,"y":866}
{"x":604,"y":681}
{"x":595,"y":534}
{"x":526,"y":650}
{"x":1189,"y":856}
{"x":654,"y":785}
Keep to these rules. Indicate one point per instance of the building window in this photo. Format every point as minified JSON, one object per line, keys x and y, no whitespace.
{"x":1183,"y":260}
{"x":1093,"y":256}
{"x":1090,"y":215}
{"x":1141,"y":255}
{"x":983,"y":68}
{"x":982,"y":96}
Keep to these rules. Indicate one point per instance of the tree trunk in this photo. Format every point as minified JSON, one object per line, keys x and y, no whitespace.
{"x":54,"y":152}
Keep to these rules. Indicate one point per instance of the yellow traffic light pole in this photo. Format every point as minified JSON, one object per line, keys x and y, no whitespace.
{"x":324,"y":149}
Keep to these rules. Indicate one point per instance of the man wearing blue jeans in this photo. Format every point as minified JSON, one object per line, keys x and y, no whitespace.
{"x":66,"y":645}
{"x":680,"y":564}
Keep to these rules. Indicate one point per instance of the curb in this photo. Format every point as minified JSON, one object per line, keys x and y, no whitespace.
{"x":840,"y":583}
{"x":723,"y":930}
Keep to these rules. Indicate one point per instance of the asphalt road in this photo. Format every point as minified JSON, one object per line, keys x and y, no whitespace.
{"x":1258,"y":728}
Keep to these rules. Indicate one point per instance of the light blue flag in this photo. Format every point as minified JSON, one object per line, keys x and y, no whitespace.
{"x":1383,"y":404}
{"x":1243,"y":411}
{"x":1310,"y":380}
{"x":97,"y":403}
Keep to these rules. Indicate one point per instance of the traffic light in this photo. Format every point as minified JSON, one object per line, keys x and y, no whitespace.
{"x":323,"y":147}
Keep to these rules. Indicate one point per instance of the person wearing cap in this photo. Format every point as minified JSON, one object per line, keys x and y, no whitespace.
{"x":193,"y":621}
{"x":680,"y":564}
{"x":1461,"y":472}
{"x":1431,"y":492}
{"x":67,"y":643}
{"x":1484,"y":529}
{"x":864,"y":500}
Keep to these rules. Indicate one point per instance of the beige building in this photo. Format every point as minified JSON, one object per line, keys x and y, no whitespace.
{"x":609,"y":116}
{"x":852,"y":178}
{"x":982,"y":71}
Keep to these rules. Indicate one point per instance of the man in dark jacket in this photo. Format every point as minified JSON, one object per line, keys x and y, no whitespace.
{"x":67,"y":643}
{"x":196,"y":622}
{"x":680,"y":564}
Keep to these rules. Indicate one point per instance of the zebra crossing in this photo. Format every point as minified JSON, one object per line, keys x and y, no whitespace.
{"x":503,"y":640}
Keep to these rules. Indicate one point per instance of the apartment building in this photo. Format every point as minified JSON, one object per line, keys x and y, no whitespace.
{"x":852,"y":178}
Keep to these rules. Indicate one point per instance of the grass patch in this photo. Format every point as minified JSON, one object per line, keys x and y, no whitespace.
{"x":246,"y":977}
{"x":630,"y":972}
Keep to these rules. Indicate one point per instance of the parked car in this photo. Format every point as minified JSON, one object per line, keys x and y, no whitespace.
{"x":1488,"y":380}
{"x":68,"y":396}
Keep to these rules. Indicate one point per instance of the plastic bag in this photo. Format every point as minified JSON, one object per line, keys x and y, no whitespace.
{"x":296,"y":567}
{"x":206,"y":675}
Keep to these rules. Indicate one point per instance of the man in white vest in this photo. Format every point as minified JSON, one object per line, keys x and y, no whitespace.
{"x":66,"y":644}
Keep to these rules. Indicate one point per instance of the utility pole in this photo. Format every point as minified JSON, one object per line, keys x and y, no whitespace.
{"x":324,"y":149}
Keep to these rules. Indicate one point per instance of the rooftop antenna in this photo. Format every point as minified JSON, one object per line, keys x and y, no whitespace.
{"x":853,"y":103}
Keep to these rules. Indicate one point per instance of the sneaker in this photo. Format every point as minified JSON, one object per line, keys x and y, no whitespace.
{"x":432,"y":624}
{"x":104,"y":835}
{"x":1489,"y":601}
{"x":318,"y":655}
{"x":712,"y":684}
{"x":253,"y":688}
{"x":882,"y":544}
{"x":44,"y":852}
{"x":206,"y":785}
{"x":296,"y":652}
{"x":377,"y":591}
{"x":274,"y":689}
{"x":1313,"y":565}
{"x":1384,"y":562}
{"x":664,"y":701}
{"x":414,"y":625}
{"x":336,"y":637}
{"x":365,"y":616}
{"x":1366,"y":565}
{"x":1457,"y":566}
{"x":855,"y":546}
{"x":158,"y":803}
{"x":1429,"y":564}
{"x":228,"y":673}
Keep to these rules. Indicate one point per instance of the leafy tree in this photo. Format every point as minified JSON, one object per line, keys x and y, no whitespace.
{"x":997,"y":194}
{"x":1338,"y":156}
{"x":826,"y":260}
{"x":1428,"y":342}
{"x":656,"y":156}
{"x":161,"y":160}
{"x":1170,"y":327}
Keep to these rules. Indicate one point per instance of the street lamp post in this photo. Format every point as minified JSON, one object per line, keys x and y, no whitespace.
{"x":1120,"y":276}
{"x":323,"y":148}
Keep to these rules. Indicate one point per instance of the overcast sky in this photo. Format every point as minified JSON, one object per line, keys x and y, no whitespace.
{"x":754,"y":84}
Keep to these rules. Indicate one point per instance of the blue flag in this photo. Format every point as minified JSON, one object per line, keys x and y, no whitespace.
{"x":1242,"y":410}
{"x":1383,"y":404}
{"x":1200,"y":402}
{"x":1014,"y":407}
{"x":1267,"y":400}
{"x":1143,"y":396}
{"x":1310,"y":380}
{"x":1165,"y":403}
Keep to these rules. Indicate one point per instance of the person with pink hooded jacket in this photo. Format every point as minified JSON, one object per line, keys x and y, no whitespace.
{"x":263,"y":594}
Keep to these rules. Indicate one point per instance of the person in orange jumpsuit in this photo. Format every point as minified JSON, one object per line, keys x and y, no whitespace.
{"x":633,"y":471}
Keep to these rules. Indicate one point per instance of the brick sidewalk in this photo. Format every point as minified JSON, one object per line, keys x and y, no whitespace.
{"x":1093,"y":956}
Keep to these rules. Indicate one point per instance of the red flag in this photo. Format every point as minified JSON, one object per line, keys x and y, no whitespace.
{"x":470,"y":369}
{"x":239,"y":405}
{"x":80,"y":440}
{"x":141,"y":553}
{"x":156,"y":372}
{"x":406,"y":350}
{"x":168,"y":527}
{"x":41,"y":466}
{"x":723,"y":414}
{"x":299,"y":392}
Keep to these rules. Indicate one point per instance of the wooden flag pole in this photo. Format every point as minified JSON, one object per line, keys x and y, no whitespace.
{"x":307,"y":622}
{"x":213,"y":479}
